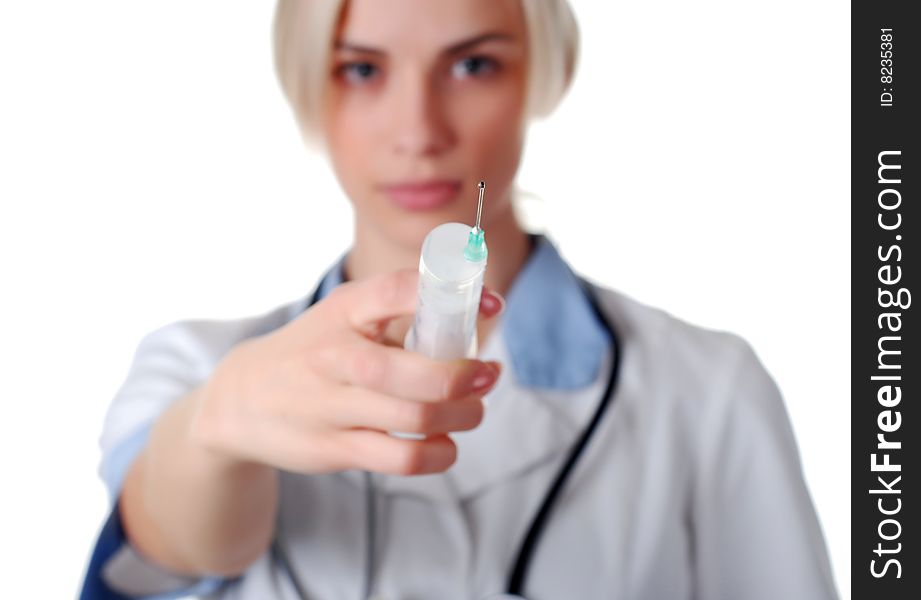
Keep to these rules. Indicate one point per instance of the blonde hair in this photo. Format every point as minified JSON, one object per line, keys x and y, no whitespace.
{"x":303,"y":36}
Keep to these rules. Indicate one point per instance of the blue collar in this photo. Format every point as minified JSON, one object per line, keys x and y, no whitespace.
{"x":552,"y":335}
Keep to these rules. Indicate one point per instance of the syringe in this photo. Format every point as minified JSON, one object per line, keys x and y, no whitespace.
{"x":451,"y":269}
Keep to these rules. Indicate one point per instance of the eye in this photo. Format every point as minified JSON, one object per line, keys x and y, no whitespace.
{"x":357,"y":72}
{"x":476,"y":66}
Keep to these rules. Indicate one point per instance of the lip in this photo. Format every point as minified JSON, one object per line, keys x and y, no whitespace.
{"x":423,"y":195}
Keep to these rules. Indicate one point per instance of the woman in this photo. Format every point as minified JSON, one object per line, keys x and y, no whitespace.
{"x":623,"y":454}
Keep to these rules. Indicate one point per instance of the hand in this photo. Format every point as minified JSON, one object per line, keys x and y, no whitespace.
{"x":321,"y":393}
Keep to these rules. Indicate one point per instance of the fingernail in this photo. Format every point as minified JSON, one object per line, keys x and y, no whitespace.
{"x":485,"y":378}
{"x":495,"y":301}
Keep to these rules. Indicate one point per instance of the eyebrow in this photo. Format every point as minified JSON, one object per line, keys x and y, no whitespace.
{"x":453,"y":49}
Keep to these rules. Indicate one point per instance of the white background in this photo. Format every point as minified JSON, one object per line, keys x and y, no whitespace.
{"x":150,"y":171}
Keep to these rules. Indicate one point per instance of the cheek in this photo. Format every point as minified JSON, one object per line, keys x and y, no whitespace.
{"x":496,"y":113}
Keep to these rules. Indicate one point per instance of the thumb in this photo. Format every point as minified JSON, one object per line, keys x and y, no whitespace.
{"x":368,"y":305}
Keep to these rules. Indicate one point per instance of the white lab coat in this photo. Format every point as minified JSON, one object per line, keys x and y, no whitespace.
{"x":691,"y":488}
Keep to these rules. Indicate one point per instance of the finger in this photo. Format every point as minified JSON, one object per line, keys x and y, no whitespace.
{"x":404,"y":374}
{"x":368,"y":304}
{"x":358,"y":407}
{"x":377,"y":451}
{"x":492,"y":304}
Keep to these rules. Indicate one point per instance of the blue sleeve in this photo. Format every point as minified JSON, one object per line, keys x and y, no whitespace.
{"x":110,"y":539}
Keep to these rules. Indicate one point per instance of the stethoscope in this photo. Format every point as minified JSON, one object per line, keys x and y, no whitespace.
{"x":535,"y":530}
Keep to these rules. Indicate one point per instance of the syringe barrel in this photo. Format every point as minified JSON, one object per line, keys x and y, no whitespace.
{"x":444,"y":326}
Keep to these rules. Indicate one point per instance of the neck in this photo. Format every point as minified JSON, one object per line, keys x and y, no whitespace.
{"x":374,"y":253}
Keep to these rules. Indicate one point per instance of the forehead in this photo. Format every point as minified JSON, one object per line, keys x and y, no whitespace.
{"x":426,"y":24}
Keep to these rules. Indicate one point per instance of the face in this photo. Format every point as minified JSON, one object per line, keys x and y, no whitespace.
{"x":425,"y":99}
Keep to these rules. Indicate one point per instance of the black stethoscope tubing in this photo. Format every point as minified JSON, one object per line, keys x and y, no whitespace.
{"x":538,"y":524}
{"x":522,"y":563}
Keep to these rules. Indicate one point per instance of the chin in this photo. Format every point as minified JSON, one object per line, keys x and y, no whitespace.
{"x":408,"y":229}
{"x":409,"y":232}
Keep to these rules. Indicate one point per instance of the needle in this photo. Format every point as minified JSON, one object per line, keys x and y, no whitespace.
{"x":475,"y":250}
{"x":479,"y":206}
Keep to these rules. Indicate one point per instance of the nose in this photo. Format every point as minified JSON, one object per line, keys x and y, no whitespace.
{"x":419,"y":122}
